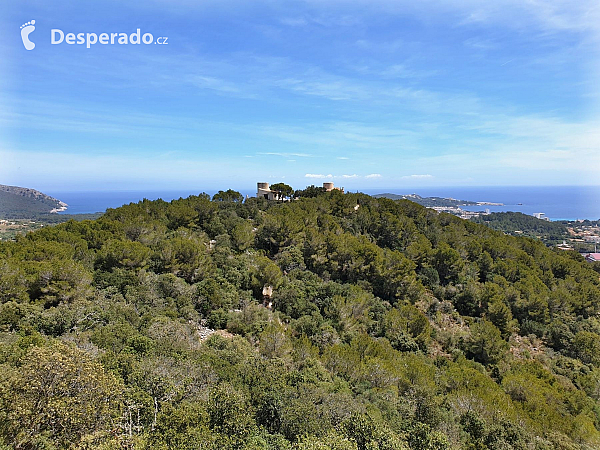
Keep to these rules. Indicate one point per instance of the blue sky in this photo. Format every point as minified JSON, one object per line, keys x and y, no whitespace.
{"x":366,"y":93}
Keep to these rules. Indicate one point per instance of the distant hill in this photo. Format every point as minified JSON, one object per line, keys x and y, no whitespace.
{"x":517,"y":223}
{"x":429,"y":202}
{"x":24,"y":203}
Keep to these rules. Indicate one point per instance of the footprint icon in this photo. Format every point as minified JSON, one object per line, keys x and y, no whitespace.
{"x":26,"y":30}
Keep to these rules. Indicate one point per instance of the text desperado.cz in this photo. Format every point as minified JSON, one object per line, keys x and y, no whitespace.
{"x":58,"y":36}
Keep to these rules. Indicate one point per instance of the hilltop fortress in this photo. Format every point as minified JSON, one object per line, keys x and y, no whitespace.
{"x":263,"y":190}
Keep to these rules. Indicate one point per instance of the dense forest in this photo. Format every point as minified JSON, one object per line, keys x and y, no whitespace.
{"x":333,"y":321}
{"x":518,"y":223}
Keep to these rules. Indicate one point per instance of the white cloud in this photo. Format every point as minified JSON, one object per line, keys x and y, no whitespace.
{"x":417,"y":176}
{"x":316,"y":175}
{"x":374,"y":175}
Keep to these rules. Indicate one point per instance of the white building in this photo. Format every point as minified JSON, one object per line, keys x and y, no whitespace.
{"x":328,"y":186}
{"x":263,"y":191}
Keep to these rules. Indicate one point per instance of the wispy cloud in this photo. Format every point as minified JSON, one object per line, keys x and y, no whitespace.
{"x":213,"y":83}
{"x":417,"y":176}
{"x":389,"y":98}
{"x":343,"y":136}
{"x":330,"y":176}
{"x":286,"y":155}
{"x":317,"y":175}
{"x":478,"y":43}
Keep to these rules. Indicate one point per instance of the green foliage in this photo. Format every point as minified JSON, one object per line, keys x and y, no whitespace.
{"x":228,"y":196}
{"x":485,"y":344}
{"x":308,"y":324}
{"x":407,"y":328}
{"x":310,"y":191}
{"x":422,"y":437}
{"x":517,"y":223}
{"x":56,"y":394}
{"x":586,"y":345}
{"x":368,"y":435}
{"x":329,"y":442}
{"x":282,"y":190}
{"x":229,"y":413}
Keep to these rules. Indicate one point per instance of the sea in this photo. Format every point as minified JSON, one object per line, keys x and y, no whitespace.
{"x":556,"y":202}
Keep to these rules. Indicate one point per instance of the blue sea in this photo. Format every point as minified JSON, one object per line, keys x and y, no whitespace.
{"x":558,"y":203}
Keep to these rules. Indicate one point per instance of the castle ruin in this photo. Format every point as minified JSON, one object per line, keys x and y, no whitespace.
{"x":263,"y":190}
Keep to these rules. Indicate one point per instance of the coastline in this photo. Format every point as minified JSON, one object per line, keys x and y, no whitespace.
{"x":63,"y":207}
{"x":557,"y":202}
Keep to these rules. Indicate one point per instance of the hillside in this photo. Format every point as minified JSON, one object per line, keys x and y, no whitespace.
{"x":339,"y":322}
{"x":429,"y":202}
{"x":519,"y":223}
{"x":24,"y":203}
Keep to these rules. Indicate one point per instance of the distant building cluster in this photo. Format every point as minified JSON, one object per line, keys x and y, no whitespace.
{"x":459,"y":212}
{"x":564,"y":246}
{"x":264,"y":191}
{"x":541,"y":216}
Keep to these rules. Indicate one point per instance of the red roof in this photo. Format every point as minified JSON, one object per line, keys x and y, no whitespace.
{"x":593,"y":256}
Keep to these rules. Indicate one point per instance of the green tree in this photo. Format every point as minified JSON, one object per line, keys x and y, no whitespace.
{"x":407,"y":328}
{"x":56,"y":393}
{"x":228,"y":196}
{"x":242,"y":235}
{"x":331,"y":441}
{"x":122,"y":254}
{"x":448,"y":263}
{"x":485,"y":343}
{"x":282,"y":191}
{"x":230,"y":414}
{"x":586,"y":345}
